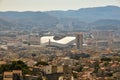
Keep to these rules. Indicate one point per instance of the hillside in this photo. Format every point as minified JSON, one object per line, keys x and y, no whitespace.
{"x":89,"y":14}
{"x":106,"y":24}
{"x":83,"y":19}
{"x":29,"y":20}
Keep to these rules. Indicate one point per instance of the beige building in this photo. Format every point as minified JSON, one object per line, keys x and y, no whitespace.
{"x":2,"y":63}
{"x":50,"y":69}
{"x":14,"y":75}
{"x":8,"y":76}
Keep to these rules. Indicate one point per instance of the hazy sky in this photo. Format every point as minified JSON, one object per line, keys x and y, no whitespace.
{"x":46,"y":5}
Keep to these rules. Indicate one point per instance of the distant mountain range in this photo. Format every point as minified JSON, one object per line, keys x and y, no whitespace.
{"x":89,"y":14}
{"x":101,"y":18}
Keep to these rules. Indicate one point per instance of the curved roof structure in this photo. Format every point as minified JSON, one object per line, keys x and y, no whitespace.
{"x":65,"y":41}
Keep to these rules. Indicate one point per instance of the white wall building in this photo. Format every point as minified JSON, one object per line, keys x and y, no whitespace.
{"x":63,"y":42}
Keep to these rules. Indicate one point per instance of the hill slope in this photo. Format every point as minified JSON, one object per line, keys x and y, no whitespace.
{"x":83,"y":19}
{"x":89,"y":14}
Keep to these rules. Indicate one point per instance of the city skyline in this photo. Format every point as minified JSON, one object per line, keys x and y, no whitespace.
{"x":48,"y":5}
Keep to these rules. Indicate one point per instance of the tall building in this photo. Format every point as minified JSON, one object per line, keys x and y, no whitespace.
{"x":79,"y":41}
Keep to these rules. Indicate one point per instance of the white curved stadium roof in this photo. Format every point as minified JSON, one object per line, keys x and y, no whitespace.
{"x":64,"y":41}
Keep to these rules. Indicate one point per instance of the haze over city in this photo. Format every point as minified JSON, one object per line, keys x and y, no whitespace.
{"x":47,"y":5}
{"x":59,"y":39}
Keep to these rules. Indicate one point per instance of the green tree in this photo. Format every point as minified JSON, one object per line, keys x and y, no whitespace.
{"x":16,"y":65}
{"x":5,"y":67}
{"x":105,"y":59}
{"x":96,"y":67}
{"x":41,"y":63}
{"x":79,"y":69}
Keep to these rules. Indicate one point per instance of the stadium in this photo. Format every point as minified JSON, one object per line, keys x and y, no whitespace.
{"x":57,"y":41}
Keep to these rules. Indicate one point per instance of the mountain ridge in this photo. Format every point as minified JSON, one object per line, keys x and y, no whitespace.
{"x":93,"y":14}
{"x":81,"y":19}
